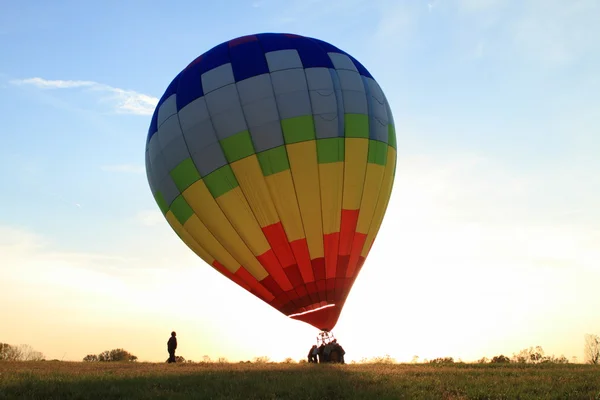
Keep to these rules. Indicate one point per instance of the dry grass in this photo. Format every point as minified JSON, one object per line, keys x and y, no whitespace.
{"x":66,"y":380}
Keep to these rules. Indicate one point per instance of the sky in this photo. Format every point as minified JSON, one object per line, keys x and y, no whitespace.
{"x":491,"y":241}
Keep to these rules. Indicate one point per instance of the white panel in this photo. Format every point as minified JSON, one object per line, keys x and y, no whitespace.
{"x":166,"y":109}
{"x":217,"y":78}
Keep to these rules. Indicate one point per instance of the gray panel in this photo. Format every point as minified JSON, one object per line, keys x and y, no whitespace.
{"x":167,"y":108}
{"x":389,"y":112}
{"x":289,"y":80}
{"x":153,"y":147}
{"x":283,"y":59}
{"x":200,"y":135}
{"x":169,"y":131}
{"x":355,"y":102}
{"x":327,"y":126}
{"x":209,"y":159}
{"x":217,"y":78}
{"x":168,"y":189}
{"x":342,"y":61}
{"x":229,"y":123}
{"x":294,"y":104}
{"x":193,"y":113}
{"x":378,"y":110}
{"x":376,"y":100}
{"x":255,"y":88}
{"x":149,"y":172}
{"x":222,"y":99}
{"x":323,"y":103}
{"x":175,"y":153}
{"x":350,"y":80}
{"x":374,"y":89}
{"x":319,"y":79}
{"x":267,"y":136}
{"x":260,"y":112}
{"x":340,"y":100}
{"x":378,"y":130}
{"x":159,"y":169}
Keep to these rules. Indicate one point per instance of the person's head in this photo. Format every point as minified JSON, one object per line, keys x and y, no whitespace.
{"x":173,"y":333}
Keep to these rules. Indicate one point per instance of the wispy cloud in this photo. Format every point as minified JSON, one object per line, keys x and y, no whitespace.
{"x":150,"y":217}
{"x":129,"y":168}
{"x":126,"y":101}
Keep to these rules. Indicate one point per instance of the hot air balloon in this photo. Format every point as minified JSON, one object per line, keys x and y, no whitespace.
{"x":273,"y":156}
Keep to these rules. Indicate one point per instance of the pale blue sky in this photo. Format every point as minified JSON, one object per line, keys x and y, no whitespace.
{"x":497,"y":108}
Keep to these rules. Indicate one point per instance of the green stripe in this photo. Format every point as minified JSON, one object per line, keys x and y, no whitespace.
{"x":237,"y":146}
{"x":330,"y":150}
{"x":162,"y":203}
{"x":185,"y":174}
{"x":181,"y":209}
{"x":221,"y":181}
{"x":392,"y":135}
{"x":273,"y":160}
{"x":298,"y":129}
{"x":356,"y":125}
{"x":377,"y":152}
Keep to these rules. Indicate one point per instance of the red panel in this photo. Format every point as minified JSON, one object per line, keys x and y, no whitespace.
{"x":346,"y":286}
{"x":339,"y":289}
{"x":318,"y":266}
{"x":271,"y":264}
{"x":305,"y":302}
{"x":323,"y":319}
{"x":196,"y":61}
{"x":311,"y":288}
{"x":301,"y":290}
{"x":300,"y":250}
{"x":331,"y":243}
{"x":342,"y":266}
{"x":259,"y":290}
{"x":348,"y":227}
{"x":359,"y":265}
{"x":330,"y":283}
{"x":271,"y":285}
{"x":243,"y":39}
{"x":294,"y":275}
{"x":221,"y":268}
{"x":293,"y":296}
{"x":322,"y":289}
{"x":278,"y":240}
{"x":357,"y":245}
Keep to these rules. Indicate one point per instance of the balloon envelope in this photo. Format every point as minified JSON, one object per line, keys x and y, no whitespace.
{"x":272,"y":156}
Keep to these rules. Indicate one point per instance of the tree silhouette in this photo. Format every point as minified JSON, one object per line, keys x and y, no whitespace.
{"x":592,"y":349}
{"x":115,"y":355}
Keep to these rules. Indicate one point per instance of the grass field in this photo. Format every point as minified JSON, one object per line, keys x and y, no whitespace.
{"x":71,"y":380}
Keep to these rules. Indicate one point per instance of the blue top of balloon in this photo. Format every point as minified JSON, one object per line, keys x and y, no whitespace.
{"x":249,"y":56}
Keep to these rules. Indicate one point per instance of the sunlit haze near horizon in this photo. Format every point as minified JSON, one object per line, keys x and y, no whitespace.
{"x":491,"y":241}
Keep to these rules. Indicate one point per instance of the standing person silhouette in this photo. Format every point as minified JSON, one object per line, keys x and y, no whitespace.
{"x":172,"y":346}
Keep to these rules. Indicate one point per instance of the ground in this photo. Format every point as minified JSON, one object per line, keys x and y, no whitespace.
{"x":78,"y":380}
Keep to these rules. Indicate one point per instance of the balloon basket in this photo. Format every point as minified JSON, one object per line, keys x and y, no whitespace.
{"x":324,"y":337}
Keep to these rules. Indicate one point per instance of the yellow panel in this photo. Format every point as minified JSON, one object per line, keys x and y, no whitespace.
{"x":370,"y":195}
{"x":305,"y":171}
{"x":237,"y":209}
{"x":355,"y":165}
{"x":202,"y":235}
{"x":188,"y":239}
{"x":382,"y":201}
{"x":281,"y":187}
{"x":331,"y":176}
{"x":211,"y":215}
{"x":250,"y":177}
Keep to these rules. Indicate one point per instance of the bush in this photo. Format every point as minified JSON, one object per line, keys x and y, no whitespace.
{"x":115,"y":355}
